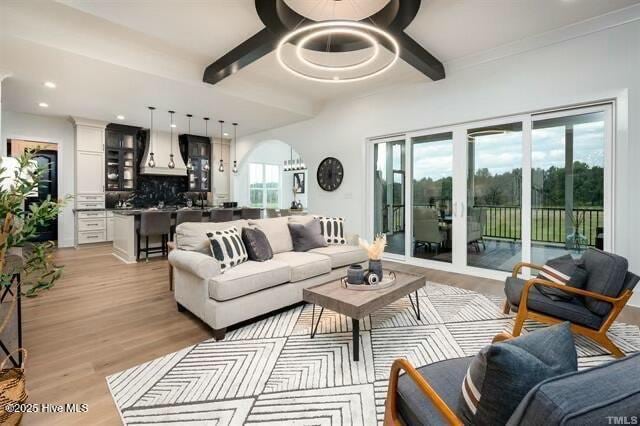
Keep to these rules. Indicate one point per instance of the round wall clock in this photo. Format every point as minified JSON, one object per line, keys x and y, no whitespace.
{"x":330,"y":174}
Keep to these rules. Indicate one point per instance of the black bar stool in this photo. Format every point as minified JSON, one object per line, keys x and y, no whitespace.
{"x":186,"y":216}
{"x":221,"y":215}
{"x":251,"y":213}
{"x":152,"y":224}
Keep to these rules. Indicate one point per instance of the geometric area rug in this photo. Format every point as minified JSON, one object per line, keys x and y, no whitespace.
{"x":272,"y":372}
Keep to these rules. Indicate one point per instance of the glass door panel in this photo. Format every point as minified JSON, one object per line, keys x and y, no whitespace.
{"x":567,"y":185}
{"x":432,"y":185}
{"x":494,"y":185}
{"x":389,"y":194}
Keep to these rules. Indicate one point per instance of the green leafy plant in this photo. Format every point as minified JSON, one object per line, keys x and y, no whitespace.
{"x":20,"y":225}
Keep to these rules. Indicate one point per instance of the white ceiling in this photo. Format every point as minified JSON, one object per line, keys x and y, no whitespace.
{"x":118,"y":56}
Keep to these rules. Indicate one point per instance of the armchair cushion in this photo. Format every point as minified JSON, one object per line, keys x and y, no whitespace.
{"x":607,"y":273}
{"x":502,"y":374}
{"x":445,"y":378}
{"x":572,"y":310}
{"x":586,"y":397}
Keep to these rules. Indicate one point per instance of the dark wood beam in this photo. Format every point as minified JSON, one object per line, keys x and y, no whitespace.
{"x":252,"y":49}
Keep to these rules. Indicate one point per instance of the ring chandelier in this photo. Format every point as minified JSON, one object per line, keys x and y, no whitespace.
{"x":337,"y":27}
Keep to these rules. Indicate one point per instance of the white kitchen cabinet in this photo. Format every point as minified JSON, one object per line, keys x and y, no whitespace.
{"x":110,"y":225}
{"x":221,"y":180}
{"x":89,"y":172}
{"x":89,"y":138}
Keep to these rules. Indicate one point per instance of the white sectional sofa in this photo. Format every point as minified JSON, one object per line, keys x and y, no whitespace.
{"x":252,"y":288}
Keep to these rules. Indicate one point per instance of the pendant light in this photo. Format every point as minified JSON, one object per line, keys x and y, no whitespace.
{"x":151,"y":163}
{"x":189,"y":163}
{"x":235,"y":141}
{"x":221,"y":166}
{"x":171,"y":164}
{"x":205,"y":164}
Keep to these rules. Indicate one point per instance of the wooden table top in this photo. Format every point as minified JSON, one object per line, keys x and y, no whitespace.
{"x":358,"y":304}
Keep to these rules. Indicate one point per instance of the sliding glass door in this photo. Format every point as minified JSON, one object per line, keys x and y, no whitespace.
{"x":389,"y":193}
{"x":489,"y":194}
{"x":568,"y":176}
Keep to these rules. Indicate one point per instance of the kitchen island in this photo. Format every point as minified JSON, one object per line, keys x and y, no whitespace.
{"x":126,"y":222}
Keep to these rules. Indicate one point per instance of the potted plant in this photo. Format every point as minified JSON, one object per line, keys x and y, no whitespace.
{"x":20,"y":178}
{"x":375,"y":251}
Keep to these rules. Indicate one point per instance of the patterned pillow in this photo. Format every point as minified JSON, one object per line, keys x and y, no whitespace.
{"x":227,"y":247}
{"x":332,"y":229}
{"x":565,"y":271}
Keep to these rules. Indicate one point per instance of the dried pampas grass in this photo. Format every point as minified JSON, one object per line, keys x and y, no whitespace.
{"x":375,"y":249}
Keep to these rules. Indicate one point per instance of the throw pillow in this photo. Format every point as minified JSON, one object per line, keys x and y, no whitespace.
{"x":227,"y":248}
{"x":333,"y":229}
{"x":562,"y":270}
{"x":502,"y":374}
{"x":257,"y":244}
{"x":307,"y":236}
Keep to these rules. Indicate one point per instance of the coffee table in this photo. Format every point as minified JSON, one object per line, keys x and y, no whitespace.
{"x":357,"y":304}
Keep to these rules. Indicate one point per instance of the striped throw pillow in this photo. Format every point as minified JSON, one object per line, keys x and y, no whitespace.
{"x":227,"y":247}
{"x":332,"y":228}
{"x":563,"y":270}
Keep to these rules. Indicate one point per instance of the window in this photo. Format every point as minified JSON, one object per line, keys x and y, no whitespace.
{"x":264,"y":185}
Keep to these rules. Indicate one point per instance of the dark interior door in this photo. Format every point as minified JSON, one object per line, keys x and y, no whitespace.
{"x":48,"y":187}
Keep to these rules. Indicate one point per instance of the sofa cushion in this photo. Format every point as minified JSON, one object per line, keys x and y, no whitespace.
{"x":192,"y":236}
{"x":227,"y":247}
{"x":304,"y":265}
{"x":445,"y":377}
{"x":306,"y":236}
{"x":277,"y":231}
{"x":572,"y":310}
{"x":248,"y":277}
{"x":607,"y":273}
{"x":513,"y":368}
{"x":342,"y":255}
{"x":586,"y":397}
{"x":257,"y":244}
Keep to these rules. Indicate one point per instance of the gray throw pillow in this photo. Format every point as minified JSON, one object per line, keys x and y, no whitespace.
{"x":562,"y":270}
{"x":307,"y":236}
{"x":502,"y":374}
{"x":257,"y":244}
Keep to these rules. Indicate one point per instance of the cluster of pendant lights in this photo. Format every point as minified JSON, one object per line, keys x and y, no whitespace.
{"x":205,"y":167}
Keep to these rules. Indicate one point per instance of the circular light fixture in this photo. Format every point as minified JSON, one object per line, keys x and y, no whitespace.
{"x":331,"y":31}
{"x":49,"y":84}
{"x":358,"y":29}
{"x":120,"y":117}
{"x":43,"y":105}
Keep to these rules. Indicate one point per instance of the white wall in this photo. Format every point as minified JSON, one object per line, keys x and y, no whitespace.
{"x":595,"y":66}
{"x":267,"y":152}
{"x":48,"y":129}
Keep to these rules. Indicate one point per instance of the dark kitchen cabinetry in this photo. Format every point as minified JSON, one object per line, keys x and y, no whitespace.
{"x":120,"y":157}
{"x":198,"y":150}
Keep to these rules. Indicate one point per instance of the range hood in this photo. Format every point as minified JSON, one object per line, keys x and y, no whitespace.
{"x":161,"y":149}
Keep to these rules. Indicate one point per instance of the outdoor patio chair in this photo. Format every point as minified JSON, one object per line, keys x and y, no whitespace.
{"x":427,"y":231}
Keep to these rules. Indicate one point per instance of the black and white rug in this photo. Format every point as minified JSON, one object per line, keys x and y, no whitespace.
{"x":271,"y":372}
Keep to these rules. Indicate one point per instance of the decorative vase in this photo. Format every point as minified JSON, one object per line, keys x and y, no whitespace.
{"x":355,"y":274}
{"x":375,"y":267}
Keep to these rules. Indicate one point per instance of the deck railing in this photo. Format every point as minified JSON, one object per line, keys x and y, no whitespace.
{"x":548,"y":225}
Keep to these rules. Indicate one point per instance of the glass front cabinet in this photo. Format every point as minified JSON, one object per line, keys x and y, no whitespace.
{"x":196,"y":151}
{"x":120,"y":154}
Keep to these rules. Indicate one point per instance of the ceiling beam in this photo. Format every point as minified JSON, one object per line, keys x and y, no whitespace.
{"x":419,"y":58}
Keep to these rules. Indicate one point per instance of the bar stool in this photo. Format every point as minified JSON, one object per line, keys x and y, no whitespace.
{"x":247,"y":213}
{"x":220,"y":215}
{"x":272,"y":213}
{"x":152,"y":224}
{"x":186,"y":216}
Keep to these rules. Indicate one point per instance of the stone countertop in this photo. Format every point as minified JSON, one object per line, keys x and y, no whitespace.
{"x":133,"y":211}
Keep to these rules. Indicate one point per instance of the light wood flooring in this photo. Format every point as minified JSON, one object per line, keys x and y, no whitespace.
{"x":104,"y":316}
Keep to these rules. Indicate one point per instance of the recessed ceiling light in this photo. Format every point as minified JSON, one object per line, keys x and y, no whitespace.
{"x":226,"y":134}
{"x":173,"y":125}
{"x":120,"y":117}
{"x":43,"y":105}
{"x":50,"y":84}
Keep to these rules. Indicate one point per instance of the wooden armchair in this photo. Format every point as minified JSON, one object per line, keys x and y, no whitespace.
{"x":545,"y":315}
{"x":391,"y":414}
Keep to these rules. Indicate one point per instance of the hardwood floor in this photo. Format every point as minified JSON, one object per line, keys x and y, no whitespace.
{"x":104,"y":316}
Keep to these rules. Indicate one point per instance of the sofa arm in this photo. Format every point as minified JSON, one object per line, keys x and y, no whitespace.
{"x":199,"y":264}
